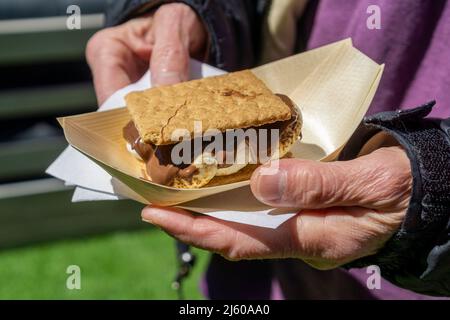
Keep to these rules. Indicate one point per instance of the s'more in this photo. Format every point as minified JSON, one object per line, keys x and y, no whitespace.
{"x":211,"y":131}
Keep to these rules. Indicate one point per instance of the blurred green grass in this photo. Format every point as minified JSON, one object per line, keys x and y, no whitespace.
{"x":126,"y":265}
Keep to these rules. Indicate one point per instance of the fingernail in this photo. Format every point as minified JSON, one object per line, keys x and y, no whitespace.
{"x":146,"y":215}
{"x":166,"y":78}
{"x":147,"y":220}
{"x":271,"y":188}
{"x":152,"y":215}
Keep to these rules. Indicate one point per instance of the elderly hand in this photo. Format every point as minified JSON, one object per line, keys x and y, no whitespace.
{"x":164,"y":41}
{"x":349,"y":210}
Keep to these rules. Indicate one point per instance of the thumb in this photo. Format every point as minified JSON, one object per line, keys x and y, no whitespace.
{"x":169,"y":62}
{"x":381,"y":179}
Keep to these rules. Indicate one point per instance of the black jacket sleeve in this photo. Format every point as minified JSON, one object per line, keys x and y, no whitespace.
{"x":232,"y":26}
{"x":417,"y":257}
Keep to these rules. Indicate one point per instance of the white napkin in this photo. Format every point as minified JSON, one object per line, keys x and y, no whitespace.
{"x":94,"y":184}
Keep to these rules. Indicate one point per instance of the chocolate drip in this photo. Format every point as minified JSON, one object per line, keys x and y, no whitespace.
{"x":160,"y":168}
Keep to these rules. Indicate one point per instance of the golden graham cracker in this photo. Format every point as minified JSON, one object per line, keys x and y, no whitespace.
{"x":232,"y":101}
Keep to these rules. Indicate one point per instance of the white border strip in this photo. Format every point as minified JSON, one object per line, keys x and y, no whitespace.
{"x":88,"y":21}
{"x":33,"y":187}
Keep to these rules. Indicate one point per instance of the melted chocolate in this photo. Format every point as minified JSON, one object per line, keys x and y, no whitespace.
{"x":160,"y":168}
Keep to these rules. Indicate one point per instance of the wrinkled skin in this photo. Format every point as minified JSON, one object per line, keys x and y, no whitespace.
{"x":163,"y":41}
{"x":350,"y":209}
